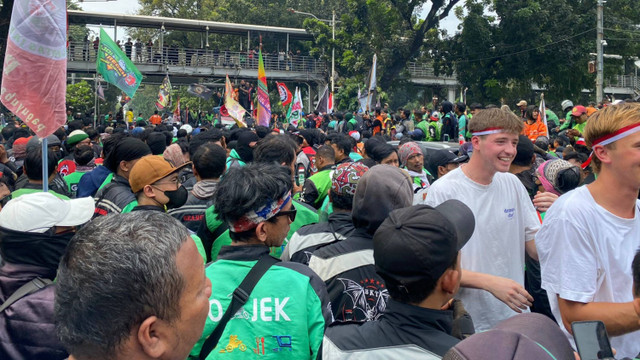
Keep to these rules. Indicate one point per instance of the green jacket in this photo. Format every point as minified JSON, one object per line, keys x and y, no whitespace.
{"x":24,"y":191}
{"x":434,"y":130}
{"x":422,"y":125}
{"x":285,"y":316}
{"x":316,"y":188}
{"x":305,"y":216}
{"x":72,"y":181}
{"x":234,"y":160}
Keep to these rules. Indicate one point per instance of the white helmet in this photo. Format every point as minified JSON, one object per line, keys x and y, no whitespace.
{"x":567,"y":104}
{"x":187,"y":127}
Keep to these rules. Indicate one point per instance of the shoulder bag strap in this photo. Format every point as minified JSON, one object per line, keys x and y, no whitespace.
{"x":24,"y":290}
{"x":240,"y":296}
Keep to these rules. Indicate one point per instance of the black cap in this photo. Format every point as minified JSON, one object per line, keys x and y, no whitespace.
{"x":443,"y":157}
{"x":420,"y":241}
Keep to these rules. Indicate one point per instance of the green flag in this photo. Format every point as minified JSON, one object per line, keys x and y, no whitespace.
{"x":115,"y":67}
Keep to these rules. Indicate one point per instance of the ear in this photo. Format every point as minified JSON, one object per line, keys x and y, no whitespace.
{"x":152,"y":336}
{"x":636,"y":305}
{"x":149,"y":191}
{"x":441,"y":170}
{"x":124,"y":166}
{"x":603,"y":154}
{"x":475,"y":141}
{"x":449,"y":281}
{"x":261,"y":231}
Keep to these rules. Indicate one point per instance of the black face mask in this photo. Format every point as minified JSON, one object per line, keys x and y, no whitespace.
{"x":177,"y":198}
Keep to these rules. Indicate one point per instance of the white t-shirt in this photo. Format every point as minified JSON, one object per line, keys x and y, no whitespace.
{"x":505,"y":219}
{"x":585,"y":256}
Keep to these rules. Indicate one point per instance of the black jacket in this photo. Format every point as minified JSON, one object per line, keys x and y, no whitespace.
{"x":113,"y":197}
{"x":191,"y":214}
{"x":312,"y":237}
{"x":403,"y":332}
{"x":347,"y":267}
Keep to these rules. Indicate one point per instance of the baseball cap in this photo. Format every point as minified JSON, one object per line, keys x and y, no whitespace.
{"x":149,"y":169}
{"x":36,"y":142}
{"x":443,"y":157}
{"x":345,"y":178}
{"x":421,"y":241}
{"x":38,"y":212}
{"x":578,"y":110}
{"x":527,"y":336}
{"x":521,"y":103}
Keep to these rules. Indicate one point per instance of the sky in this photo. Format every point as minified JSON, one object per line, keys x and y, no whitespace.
{"x":450,"y":23}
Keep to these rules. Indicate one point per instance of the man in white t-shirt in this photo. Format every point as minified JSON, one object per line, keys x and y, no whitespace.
{"x":506,"y":222}
{"x":591,"y":234}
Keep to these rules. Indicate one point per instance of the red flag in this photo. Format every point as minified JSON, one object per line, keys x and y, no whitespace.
{"x":34,"y":81}
{"x":285,"y":94}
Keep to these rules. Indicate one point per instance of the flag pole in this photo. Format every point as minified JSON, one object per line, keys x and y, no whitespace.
{"x":95,"y":100}
{"x":45,"y":165}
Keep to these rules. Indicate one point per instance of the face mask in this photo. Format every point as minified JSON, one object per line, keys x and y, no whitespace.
{"x":177,"y":198}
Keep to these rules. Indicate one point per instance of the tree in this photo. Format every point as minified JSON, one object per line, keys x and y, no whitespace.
{"x":80,"y":96}
{"x":547,"y":43}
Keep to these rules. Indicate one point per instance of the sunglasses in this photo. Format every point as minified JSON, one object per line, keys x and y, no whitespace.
{"x":290,"y":213}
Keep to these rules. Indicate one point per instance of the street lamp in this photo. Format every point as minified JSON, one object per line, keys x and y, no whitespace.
{"x":333,"y":36}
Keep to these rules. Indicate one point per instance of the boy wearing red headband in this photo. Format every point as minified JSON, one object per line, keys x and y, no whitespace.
{"x":506,"y":221}
{"x":591,"y":234}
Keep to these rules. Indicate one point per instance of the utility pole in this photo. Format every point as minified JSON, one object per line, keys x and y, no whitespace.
{"x":600,"y":50}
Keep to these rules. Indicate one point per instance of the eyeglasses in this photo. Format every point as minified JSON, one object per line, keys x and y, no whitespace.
{"x":170,"y":182}
{"x":290,"y":213}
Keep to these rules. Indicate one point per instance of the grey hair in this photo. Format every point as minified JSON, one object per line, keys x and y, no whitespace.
{"x":117,"y":271}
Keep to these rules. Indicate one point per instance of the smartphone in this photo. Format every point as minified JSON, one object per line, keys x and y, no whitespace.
{"x":592,"y":340}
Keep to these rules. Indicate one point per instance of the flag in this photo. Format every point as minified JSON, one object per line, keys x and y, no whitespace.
{"x":200,"y":91}
{"x":331,"y":103}
{"x":295,"y":111}
{"x":164,"y":94}
{"x":323,"y":103}
{"x":264,"y":106}
{"x":100,"y":92}
{"x":543,"y":113}
{"x":285,"y":94}
{"x":34,"y":82}
{"x":231,"y":106}
{"x":176,"y":111}
{"x":115,"y":67}
{"x":371,"y":86}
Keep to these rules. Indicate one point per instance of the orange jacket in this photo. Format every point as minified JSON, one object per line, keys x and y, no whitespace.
{"x":155,"y":119}
{"x":534,"y":130}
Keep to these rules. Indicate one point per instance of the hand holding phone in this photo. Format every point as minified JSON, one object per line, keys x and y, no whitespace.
{"x":592,"y":340}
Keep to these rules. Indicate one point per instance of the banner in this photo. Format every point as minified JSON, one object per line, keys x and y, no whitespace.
{"x":323,"y":103}
{"x":264,"y":106}
{"x":115,"y":67}
{"x":34,"y":82}
{"x":285,"y":94}
{"x":231,"y":106}
{"x":164,"y":94}
{"x":200,"y":91}
{"x":371,"y":85}
{"x":295,"y":111}
{"x":330,"y":103}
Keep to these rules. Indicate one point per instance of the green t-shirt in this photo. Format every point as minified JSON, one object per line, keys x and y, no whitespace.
{"x":305,"y":216}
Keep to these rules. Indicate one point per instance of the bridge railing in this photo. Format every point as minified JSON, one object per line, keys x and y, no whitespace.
{"x":423,"y":70}
{"x":79,"y":51}
{"x":625,"y":81}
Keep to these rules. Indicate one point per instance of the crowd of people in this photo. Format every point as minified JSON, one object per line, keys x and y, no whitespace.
{"x":329,"y":240}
